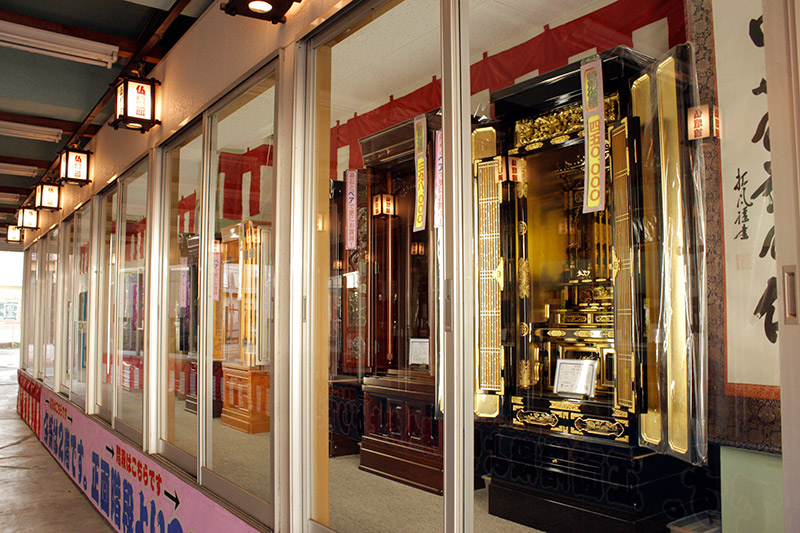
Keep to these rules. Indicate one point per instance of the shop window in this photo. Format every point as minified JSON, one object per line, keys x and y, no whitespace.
{"x":79,"y":317}
{"x":130,"y":320}
{"x":610,"y":286}
{"x":240,"y":291}
{"x":66,"y":288}
{"x":377,"y":423}
{"x":182,"y":181}
{"x":106,"y":302}
{"x":49,"y":300}
{"x":31,"y":266}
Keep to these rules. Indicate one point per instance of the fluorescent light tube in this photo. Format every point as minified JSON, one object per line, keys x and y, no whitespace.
{"x":57,"y":45}
{"x":26,"y":131}
{"x":18,"y":170}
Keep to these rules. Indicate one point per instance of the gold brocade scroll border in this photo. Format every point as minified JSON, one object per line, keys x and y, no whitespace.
{"x":733,"y":419}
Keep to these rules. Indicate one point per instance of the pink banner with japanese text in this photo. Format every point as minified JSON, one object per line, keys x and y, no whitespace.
{"x":132,"y":491}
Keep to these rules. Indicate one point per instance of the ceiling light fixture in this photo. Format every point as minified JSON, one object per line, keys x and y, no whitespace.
{"x":74,"y":166}
{"x":136,"y":103}
{"x":28,"y":218}
{"x":54,"y":44}
{"x":18,"y":170}
{"x":271,"y":10}
{"x":259,"y":6}
{"x":14,"y":234}
{"x":47,"y":196}
{"x":27,"y":131}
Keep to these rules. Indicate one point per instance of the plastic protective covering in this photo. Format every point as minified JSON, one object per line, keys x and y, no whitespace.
{"x":672,"y":254}
{"x":592,"y":321}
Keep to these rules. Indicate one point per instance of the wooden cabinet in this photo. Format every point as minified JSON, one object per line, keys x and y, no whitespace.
{"x":245,"y":398}
{"x":402,"y":436}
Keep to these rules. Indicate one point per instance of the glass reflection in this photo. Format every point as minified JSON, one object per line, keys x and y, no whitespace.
{"x":378,"y":429}
{"x":179,"y":401}
{"x":49,"y":287}
{"x":106,"y":303}
{"x":79,"y":329}
{"x":241,"y":292}
{"x":131,"y":314}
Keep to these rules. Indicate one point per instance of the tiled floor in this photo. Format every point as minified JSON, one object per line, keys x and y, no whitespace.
{"x":35,"y":493}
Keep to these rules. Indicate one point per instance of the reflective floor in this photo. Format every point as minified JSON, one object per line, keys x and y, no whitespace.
{"x":36,"y":493}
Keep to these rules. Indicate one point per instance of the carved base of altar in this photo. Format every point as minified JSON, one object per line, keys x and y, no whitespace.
{"x":401,"y":432}
{"x":245,"y":398}
{"x":567,"y":484}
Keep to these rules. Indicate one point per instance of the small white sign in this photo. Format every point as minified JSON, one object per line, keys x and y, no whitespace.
{"x":575,"y":378}
{"x":418,"y":352}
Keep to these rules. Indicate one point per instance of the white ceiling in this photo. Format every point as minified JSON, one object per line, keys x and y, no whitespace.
{"x":399,"y":52}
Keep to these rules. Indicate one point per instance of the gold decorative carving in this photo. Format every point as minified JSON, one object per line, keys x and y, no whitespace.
{"x":557,"y":333}
{"x":524,"y":278}
{"x":498,"y":273}
{"x":604,"y":319}
{"x":565,"y":406}
{"x":575,"y":318}
{"x":537,"y":418}
{"x":562,"y":123}
{"x":524,"y":374}
{"x":524,"y":329}
{"x":595,"y":426}
{"x":602,"y":292}
{"x":560,"y":139}
{"x":616,"y":264}
{"x":523,"y":227}
{"x":522,"y":189}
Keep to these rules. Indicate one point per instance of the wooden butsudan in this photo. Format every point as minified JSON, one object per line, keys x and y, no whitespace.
{"x":589,"y":346}
{"x":246,"y":398}
{"x":401,"y":433}
{"x":242,"y":328}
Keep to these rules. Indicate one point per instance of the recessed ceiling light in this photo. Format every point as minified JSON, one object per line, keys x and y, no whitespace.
{"x":259,"y":6}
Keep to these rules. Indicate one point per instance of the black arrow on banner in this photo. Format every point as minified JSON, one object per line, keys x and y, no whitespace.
{"x":110,"y":450}
{"x":175,"y":499}
{"x":70,"y":419}
{"x":47,"y":402}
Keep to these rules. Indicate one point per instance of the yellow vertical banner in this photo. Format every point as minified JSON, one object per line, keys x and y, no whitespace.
{"x":594,"y":125}
{"x":421,"y":169}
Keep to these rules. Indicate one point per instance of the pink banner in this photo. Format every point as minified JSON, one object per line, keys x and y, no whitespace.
{"x":438,"y":187}
{"x":351,"y":209}
{"x":129,"y":489}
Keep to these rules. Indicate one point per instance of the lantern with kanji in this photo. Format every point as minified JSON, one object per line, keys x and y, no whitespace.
{"x":74,"y":167}
{"x":136,"y":103}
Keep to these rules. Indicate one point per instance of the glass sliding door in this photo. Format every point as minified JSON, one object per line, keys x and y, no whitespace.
{"x":240,"y":295}
{"x":178,"y":410}
{"x":79,"y":325}
{"x":31,"y":266}
{"x":375,"y":272}
{"x":130,"y":320}
{"x":106,"y":303}
{"x":49,"y":301}
{"x":66,"y":290}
